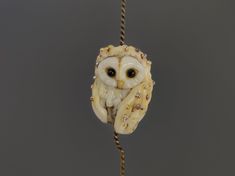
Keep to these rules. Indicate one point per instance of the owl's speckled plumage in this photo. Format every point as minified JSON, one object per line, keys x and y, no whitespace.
{"x":122,"y":87}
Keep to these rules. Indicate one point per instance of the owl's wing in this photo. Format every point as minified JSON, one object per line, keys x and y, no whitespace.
{"x":96,"y":101}
{"x":133,"y":108}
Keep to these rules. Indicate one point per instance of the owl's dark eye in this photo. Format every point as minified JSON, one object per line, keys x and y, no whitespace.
{"x":131,"y":73}
{"x":111,"y":72}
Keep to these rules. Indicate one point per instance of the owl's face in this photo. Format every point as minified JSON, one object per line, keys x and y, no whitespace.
{"x":121,"y":73}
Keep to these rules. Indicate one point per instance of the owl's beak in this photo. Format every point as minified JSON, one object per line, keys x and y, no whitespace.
{"x":120,"y":84}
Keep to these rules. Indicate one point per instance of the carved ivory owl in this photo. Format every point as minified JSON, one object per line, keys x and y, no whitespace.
{"x":122,"y":87}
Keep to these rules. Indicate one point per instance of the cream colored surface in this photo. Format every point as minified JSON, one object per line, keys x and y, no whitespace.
{"x":120,"y":100}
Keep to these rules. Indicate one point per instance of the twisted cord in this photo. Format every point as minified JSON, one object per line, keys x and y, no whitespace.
{"x":122,"y":42}
{"x":123,"y":22}
{"x":122,"y":154}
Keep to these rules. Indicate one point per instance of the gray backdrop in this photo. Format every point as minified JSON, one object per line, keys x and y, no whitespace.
{"x":47,"y":55}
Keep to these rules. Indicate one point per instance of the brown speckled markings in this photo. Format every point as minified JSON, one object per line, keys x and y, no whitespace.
{"x":136,"y":112}
{"x":133,"y":102}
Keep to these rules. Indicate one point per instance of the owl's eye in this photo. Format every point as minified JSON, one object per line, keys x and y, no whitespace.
{"x":111,"y":72}
{"x":131,"y":73}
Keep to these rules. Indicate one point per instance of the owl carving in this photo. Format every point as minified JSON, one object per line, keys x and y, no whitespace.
{"x":122,"y":87}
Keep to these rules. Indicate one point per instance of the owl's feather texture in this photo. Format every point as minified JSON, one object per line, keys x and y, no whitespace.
{"x":133,"y":108}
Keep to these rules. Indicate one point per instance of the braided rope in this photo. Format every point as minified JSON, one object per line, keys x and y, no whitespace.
{"x":122,"y":42}
{"x":122,"y":154}
{"x":123,"y":22}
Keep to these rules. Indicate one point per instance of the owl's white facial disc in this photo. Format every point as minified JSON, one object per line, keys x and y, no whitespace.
{"x":107,"y":71}
{"x":131,"y":72}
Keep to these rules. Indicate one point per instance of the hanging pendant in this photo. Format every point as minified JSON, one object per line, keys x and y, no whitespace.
{"x":122,"y":87}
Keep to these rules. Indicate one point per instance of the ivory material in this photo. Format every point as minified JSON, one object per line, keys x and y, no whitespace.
{"x":122,"y":96}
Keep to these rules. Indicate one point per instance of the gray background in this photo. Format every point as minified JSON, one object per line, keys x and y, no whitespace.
{"x":47,"y":55}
